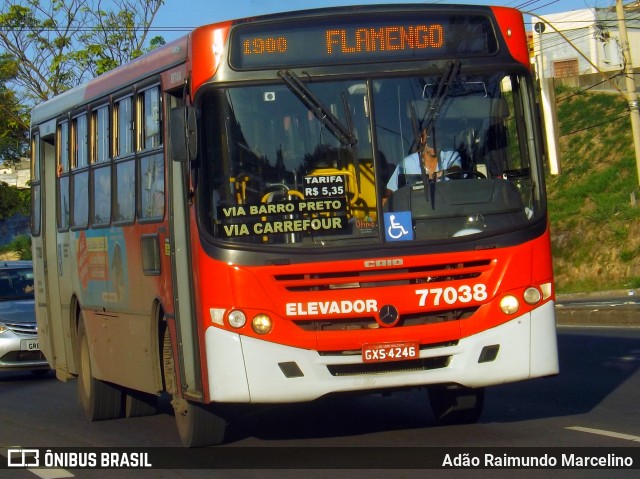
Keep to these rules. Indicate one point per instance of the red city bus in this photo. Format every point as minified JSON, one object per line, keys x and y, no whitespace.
{"x":242,"y":216}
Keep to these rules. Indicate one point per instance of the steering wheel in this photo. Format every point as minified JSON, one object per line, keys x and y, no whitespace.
{"x":463,"y":174}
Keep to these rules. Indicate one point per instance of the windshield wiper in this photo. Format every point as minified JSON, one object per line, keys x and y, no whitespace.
{"x":447,"y":78}
{"x":319,"y":109}
{"x":436,"y":102}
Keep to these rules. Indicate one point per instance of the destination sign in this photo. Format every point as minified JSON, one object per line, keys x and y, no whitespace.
{"x":322,"y":41}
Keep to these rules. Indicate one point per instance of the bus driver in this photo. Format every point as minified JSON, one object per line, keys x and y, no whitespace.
{"x":435,"y":162}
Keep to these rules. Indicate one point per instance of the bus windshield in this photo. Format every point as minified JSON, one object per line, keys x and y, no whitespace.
{"x":307,"y":162}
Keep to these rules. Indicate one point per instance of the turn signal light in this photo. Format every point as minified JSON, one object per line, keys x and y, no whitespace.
{"x":262,"y":324}
{"x":509,"y":304}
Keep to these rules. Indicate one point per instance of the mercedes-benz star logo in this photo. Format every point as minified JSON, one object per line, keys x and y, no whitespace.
{"x":388,"y":315}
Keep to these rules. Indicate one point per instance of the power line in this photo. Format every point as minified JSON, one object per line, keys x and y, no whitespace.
{"x":16,"y":28}
{"x":588,"y":88}
{"x":620,"y":117}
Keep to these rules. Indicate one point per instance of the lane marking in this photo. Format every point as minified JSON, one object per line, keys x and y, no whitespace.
{"x":51,"y":473}
{"x":42,"y":473}
{"x":602,"y":432}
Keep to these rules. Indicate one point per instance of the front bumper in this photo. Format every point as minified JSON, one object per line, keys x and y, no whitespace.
{"x":13,"y":357}
{"x":247,"y":370}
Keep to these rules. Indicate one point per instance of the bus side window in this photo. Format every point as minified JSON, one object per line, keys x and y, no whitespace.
{"x":152,"y":187}
{"x":80,"y":175}
{"x":36,"y":208}
{"x":125,"y":187}
{"x":101,"y":195}
{"x":80,"y":188}
{"x":63,"y":202}
{"x":101,"y":168}
{"x":150,"y":119}
{"x":123,"y":127}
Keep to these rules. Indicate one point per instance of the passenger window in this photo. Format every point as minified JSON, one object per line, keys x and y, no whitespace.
{"x":125,"y":206}
{"x":79,"y":141}
{"x":152,"y":187}
{"x":63,"y":203}
{"x":124,"y":127}
{"x":102,"y":195}
{"x":150,"y":113}
{"x":35,"y":185}
{"x":63,"y":206}
{"x":81,"y":199}
{"x":63,"y":147}
{"x":101,"y":134}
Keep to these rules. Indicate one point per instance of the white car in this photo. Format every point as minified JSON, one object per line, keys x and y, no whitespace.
{"x":19,"y":349}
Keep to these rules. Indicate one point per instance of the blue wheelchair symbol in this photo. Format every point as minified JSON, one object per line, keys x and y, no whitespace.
{"x":398,"y":226}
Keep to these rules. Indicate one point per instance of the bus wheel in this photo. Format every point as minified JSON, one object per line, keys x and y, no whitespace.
{"x":99,"y":400}
{"x":138,"y":404}
{"x":455,"y":404}
{"x":197,"y":424}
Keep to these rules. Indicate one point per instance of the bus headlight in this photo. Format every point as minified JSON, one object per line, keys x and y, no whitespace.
{"x":509,"y":304}
{"x":237,"y":318}
{"x":262,"y":324}
{"x":532,"y":295}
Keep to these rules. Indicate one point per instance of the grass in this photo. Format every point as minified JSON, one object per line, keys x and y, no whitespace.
{"x":20,"y":247}
{"x":595,"y":227}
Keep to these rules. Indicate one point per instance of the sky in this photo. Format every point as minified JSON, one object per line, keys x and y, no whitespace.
{"x":177,"y":17}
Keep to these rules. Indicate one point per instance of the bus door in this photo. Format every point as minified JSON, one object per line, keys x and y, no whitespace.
{"x":181,"y":259}
{"x":52,"y":328}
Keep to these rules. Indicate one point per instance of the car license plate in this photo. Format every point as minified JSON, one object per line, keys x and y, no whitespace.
{"x":383,"y":352}
{"x":29,"y":345}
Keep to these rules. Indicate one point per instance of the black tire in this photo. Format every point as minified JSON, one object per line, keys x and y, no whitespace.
{"x":455,"y":404}
{"x":99,"y":400}
{"x":198,"y":425}
{"x":138,"y":404}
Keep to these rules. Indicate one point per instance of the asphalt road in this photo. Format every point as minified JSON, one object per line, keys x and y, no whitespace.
{"x":591,"y":404}
{"x":608,"y":308}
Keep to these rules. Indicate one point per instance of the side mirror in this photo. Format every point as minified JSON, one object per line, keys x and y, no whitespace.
{"x":183,"y":132}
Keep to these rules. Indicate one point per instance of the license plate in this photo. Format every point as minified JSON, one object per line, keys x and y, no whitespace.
{"x":384,"y":352}
{"x":29,"y":345}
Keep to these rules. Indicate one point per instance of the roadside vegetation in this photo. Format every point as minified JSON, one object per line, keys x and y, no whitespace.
{"x":47,"y":48}
{"x":14,"y":201}
{"x":594,"y":217}
{"x":19,"y":248}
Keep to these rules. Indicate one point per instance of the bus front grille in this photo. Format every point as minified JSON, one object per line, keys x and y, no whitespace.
{"x":352,"y":324}
{"x":367,"y":278}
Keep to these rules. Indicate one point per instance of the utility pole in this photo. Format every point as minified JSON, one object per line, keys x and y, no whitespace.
{"x":548,"y":103}
{"x":630,"y":83}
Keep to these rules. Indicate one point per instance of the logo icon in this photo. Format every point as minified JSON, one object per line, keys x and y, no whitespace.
{"x":23,"y":458}
{"x":388,"y":316}
{"x":398,"y":226}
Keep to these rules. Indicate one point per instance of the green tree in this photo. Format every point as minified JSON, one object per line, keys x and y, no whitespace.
{"x":13,"y":200}
{"x":14,"y":124}
{"x":118,"y":35}
{"x":58,"y":44}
